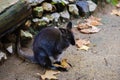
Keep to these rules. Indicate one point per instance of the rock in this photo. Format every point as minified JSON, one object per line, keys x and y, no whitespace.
{"x":38,"y":12}
{"x":72,"y":1}
{"x":45,"y":19}
{"x":73,"y":9}
{"x":64,"y":2}
{"x":92,"y":5}
{"x":60,"y":5}
{"x":2,"y":55}
{"x":35,"y":2}
{"x":83,"y":7}
{"x":47,"y":6}
{"x":35,"y":20}
{"x":65,"y":14}
{"x":10,"y":49}
{"x":50,"y":17}
{"x":40,"y":22}
{"x":26,"y":34}
{"x":56,"y":16}
{"x":56,"y":1}
{"x":49,"y":1}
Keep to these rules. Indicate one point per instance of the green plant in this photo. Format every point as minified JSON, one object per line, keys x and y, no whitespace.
{"x":113,"y":2}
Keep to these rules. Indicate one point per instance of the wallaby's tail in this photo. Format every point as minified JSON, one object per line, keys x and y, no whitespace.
{"x":28,"y":58}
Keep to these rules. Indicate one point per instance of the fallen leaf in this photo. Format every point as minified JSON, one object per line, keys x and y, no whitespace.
{"x":80,"y":43}
{"x":91,"y":30}
{"x":89,"y":26}
{"x":84,"y":48}
{"x":115,"y":12}
{"x":118,"y":5}
{"x":50,"y":74}
{"x":83,"y":26}
{"x":93,"y":21}
{"x":93,"y":18}
{"x":63,"y":64}
{"x":83,"y":44}
{"x":57,"y":65}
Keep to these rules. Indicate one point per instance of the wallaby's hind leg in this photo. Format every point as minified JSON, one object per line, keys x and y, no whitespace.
{"x":44,"y":61}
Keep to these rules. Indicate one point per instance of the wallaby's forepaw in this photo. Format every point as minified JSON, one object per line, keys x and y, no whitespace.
{"x":57,"y":62}
{"x":62,"y":69}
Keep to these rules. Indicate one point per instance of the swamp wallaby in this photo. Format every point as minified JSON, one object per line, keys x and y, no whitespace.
{"x":49,"y":44}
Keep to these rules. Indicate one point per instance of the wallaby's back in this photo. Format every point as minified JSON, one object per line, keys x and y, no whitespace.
{"x":47,"y":39}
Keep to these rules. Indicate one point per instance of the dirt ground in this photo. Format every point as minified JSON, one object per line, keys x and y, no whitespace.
{"x":100,"y":62}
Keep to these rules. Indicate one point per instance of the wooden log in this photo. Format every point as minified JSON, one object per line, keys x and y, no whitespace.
{"x":12,"y":17}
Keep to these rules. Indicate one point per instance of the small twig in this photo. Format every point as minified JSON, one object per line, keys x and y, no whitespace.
{"x":106,"y":62}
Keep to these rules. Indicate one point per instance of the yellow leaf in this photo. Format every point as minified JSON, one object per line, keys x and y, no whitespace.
{"x":64,"y":63}
{"x":83,"y":44}
{"x":115,"y":12}
{"x":84,"y":48}
{"x":57,"y":65}
{"x":50,"y":74}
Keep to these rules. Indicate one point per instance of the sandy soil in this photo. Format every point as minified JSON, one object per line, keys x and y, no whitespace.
{"x":101,"y":62}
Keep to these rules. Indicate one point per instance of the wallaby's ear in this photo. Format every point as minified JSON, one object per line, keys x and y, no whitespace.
{"x":69,"y":25}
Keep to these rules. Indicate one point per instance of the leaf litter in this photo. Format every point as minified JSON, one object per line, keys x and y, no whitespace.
{"x":115,"y":12}
{"x":64,"y":64}
{"x":82,"y":44}
{"x":51,"y":74}
{"x":118,"y":5}
{"x":91,"y":30}
{"x":89,"y":26}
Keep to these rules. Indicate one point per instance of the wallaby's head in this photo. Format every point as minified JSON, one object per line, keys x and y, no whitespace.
{"x":68,"y":34}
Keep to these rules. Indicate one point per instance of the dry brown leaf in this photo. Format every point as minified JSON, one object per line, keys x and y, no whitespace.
{"x":115,"y":12}
{"x":89,"y":26}
{"x":84,"y":48}
{"x":50,"y":74}
{"x":83,"y":26}
{"x":94,"y":18}
{"x":90,"y":30}
{"x":80,"y":43}
{"x":93,"y":21}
